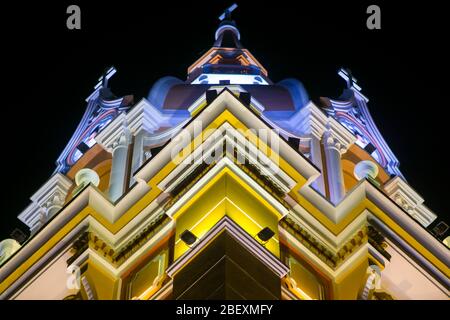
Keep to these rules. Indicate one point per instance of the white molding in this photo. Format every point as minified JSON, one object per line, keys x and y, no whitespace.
{"x":341,"y":134}
{"x":310,"y":120}
{"x":320,"y":232}
{"x":233,"y":138}
{"x":57,"y":185}
{"x":226,"y":162}
{"x":112,"y":133}
{"x":409,"y":200}
{"x":397,"y":186}
{"x":227,"y":101}
{"x":354,"y":256}
{"x":143,"y":117}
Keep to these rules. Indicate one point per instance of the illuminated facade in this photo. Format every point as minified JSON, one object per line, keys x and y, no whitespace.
{"x":226,"y":186}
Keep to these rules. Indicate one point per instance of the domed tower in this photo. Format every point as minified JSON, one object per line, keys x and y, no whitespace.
{"x":228,"y":64}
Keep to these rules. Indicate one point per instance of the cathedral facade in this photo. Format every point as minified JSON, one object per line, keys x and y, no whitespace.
{"x":226,"y":186}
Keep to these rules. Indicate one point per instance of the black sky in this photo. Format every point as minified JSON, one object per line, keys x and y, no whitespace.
{"x":48,"y":71}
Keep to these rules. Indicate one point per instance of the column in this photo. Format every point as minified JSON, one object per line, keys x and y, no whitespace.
{"x":335,"y":177}
{"x":138,"y":157}
{"x":316,"y":158}
{"x":118,"y":176}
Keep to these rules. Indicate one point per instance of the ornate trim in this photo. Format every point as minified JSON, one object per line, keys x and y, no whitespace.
{"x":332,"y":259}
{"x":117,"y":256}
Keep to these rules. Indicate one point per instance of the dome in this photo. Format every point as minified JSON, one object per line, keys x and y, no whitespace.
{"x":297,"y":90}
{"x":86,"y":176}
{"x":365,"y":169}
{"x":158,"y":93}
{"x":7,"y":248}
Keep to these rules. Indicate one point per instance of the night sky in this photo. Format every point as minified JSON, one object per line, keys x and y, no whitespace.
{"x":48,"y":71}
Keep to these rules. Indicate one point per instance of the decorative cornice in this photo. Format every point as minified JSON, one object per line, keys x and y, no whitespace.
{"x":327,"y":255}
{"x":185,"y":176}
{"x":376,"y":240}
{"x":57,"y":183}
{"x":52,"y":193}
{"x":116,"y":256}
{"x":337,"y":136}
{"x":120,"y":255}
{"x":116,"y":133}
{"x":409,"y":200}
{"x":397,"y":188}
{"x":227,"y":101}
{"x":143,"y":117}
{"x":310,"y":120}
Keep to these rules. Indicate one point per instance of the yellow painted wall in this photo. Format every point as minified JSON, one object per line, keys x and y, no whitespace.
{"x":144,"y":279}
{"x":307,"y":281}
{"x":226,"y":194}
{"x":103,"y":284}
{"x":347,"y":286}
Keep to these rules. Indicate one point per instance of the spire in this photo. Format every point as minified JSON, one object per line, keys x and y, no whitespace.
{"x":227,"y":62}
{"x":227,"y":35}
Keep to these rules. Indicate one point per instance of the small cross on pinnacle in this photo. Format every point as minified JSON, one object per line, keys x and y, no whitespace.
{"x":107,"y":74}
{"x":226,"y":15}
{"x":347,"y":75}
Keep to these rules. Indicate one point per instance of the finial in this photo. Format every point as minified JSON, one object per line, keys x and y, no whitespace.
{"x":226,"y":15}
{"x":103,"y":80}
{"x":227,"y":24}
{"x":347,"y":75}
{"x":350,"y":78}
{"x":106,"y":75}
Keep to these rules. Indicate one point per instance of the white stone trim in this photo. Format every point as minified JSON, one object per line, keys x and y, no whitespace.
{"x":409,"y":200}
{"x":55,"y":189}
{"x":226,"y":162}
{"x":310,"y":120}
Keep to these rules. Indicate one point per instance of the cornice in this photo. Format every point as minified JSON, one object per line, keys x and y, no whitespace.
{"x":332,"y":257}
{"x":407,"y":198}
{"x":54,"y":190}
{"x":310,"y":120}
{"x":340,"y":137}
{"x":227,"y":101}
{"x":143,"y":117}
